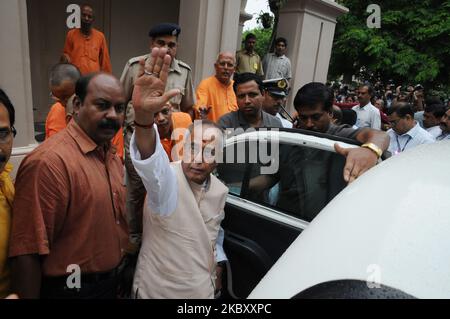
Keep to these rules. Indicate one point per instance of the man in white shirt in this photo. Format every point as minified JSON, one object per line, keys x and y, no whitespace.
{"x":275,"y":93}
{"x":184,"y":203}
{"x":405,"y":133}
{"x":277,"y":65}
{"x":445,"y":127}
{"x":368,"y":115}
{"x":432,"y":118}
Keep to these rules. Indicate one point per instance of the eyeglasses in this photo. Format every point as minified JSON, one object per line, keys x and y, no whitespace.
{"x":224,"y":64}
{"x":395,"y":122}
{"x":6,"y":133}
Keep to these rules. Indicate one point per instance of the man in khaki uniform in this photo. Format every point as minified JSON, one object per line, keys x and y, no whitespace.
{"x":247,"y":60}
{"x":162,"y":35}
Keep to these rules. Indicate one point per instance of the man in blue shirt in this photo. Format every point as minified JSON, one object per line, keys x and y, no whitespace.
{"x":405,"y":133}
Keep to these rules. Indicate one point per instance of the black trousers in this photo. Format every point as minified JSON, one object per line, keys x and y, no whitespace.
{"x":103,"y":286}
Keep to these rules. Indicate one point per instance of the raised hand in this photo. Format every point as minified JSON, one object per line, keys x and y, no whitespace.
{"x":148,"y":94}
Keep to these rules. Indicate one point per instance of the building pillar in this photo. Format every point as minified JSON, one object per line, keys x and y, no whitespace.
{"x":209,"y":28}
{"x":308,"y":26}
{"x":243,"y":17}
{"x":15,"y":76}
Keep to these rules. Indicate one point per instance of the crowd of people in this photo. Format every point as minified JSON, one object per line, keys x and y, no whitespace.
{"x":123,"y":186}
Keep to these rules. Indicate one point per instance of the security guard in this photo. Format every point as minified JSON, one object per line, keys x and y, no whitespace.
{"x":275,"y":93}
{"x":161,"y":35}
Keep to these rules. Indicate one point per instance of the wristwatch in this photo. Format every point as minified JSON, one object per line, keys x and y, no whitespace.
{"x":371,"y":146}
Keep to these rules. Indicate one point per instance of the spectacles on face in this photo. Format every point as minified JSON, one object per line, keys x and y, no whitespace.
{"x":224,"y":64}
{"x":394,"y":122}
{"x":314,"y":117}
{"x":6,"y":133}
{"x":162,"y":43}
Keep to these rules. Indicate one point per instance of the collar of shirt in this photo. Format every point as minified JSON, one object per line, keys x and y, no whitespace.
{"x":243,"y":122}
{"x":175,"y":67}
{"x":278,"y":57}
{"x":85,"y":143}
{"x":412,"y":133}
{"x":249,"y":54}
{"x":364,"y":107}
{"x":87,"y":37}
{"x":201,"y":187}
{"x":443,"y":136}
{"x":6,"y":184}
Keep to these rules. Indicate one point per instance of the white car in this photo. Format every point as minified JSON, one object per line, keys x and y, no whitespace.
{"x":278,"y":181}
{"x":387,"y":235}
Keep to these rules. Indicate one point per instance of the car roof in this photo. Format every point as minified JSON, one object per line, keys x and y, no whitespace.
{"x":391,"y":226}
{"x":294,"y":137}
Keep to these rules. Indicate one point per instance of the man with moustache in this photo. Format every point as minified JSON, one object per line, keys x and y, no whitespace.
{"x":7,"y":133}
{"x":275,"y":94}
{"x":69,"y":209}
{"x":432,"y":116}
{"x":368,"y":115}
{"x":445,"y":127}
{"x":86,"y":47}
{"x":215,"y":95}
{"x":247,"y":60}
{"x":249,"y":94}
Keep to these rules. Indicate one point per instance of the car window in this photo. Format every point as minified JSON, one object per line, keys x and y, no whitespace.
{"x":305,"y":180}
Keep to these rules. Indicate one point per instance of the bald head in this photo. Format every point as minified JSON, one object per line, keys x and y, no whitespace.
{"x":225,"y":66}
{"x":223,"y":55}
{"x":64,"y":72}
{"x":62,"y":81}
{"x":96,"y":82}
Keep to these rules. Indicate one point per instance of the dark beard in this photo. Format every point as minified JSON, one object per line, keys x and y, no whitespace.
{"x":85,"y":26}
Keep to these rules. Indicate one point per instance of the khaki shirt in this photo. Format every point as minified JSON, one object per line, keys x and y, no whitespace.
{"x":179,"y":78}
{"x":248,"y":63}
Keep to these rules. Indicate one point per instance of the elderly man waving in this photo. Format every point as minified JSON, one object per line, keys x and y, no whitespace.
{"x":185,"y":203}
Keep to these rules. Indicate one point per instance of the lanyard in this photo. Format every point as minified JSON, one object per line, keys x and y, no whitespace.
{"x":399,"y":149}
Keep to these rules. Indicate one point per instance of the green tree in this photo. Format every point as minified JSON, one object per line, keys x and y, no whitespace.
{"x":263,"y":37}
{"x":412,"y":45}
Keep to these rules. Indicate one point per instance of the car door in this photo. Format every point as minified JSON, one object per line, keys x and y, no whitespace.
{"x":278,"y":182}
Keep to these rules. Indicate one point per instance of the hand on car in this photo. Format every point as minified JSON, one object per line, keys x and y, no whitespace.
{"x":359,"y":160}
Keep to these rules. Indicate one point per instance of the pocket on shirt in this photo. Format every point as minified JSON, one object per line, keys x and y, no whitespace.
{"x":94,"y":54}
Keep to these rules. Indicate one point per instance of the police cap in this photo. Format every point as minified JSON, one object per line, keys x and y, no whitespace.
{"x":165,"y":29}
{"x":278,"y":87}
